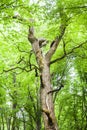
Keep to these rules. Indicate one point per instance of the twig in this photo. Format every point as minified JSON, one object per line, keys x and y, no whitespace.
{"x":56,"y":90}
{"x":22,"y":50}
{"x":64,"y":45}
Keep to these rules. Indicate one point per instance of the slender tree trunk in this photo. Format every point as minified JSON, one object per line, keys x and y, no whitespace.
{"x":3,"y":124}
{"x":8,"y":122}
{"x":38,"y":112}
{"x":14,"y":118}
{"x":24,"y":121}
{"x":14,"y":103}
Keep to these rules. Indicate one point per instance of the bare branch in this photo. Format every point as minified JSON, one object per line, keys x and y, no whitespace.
{"x":21,"y":68}
{"x":57,"y":89}
{"x":15,"y":68}
{"x":31,"y":36}
{"x":20,"y":60}
{"x":22,"y":50}
{"x":35,"y":46}
{"x":64,"y":45}
{"x":67,"y":53}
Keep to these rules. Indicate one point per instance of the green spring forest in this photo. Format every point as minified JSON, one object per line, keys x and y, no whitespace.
{"x":43,"y":64}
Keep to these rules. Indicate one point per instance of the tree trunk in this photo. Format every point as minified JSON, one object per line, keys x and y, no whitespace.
{"x":14,"y":103}
{"x":47,"y":99}
{"x":43,"y":62}
{"x":8,"y":122}
{"x":3,"y":124}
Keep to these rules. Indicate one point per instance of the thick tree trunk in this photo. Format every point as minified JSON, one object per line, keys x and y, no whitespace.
{"x":43,"y":62}
{"x":47,"y":100}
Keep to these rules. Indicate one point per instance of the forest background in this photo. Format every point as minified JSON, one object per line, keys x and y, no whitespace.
{"x":20,"y":107}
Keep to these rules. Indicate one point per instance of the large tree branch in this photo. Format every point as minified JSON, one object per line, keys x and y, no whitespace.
{"x":36,"y":47}
{"x":64,"y":23}
{"x":67,"y":53}
{"x":53,"y":48}
{"x":21,"y":68}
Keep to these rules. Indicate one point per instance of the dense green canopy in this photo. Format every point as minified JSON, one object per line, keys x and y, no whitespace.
{"x":19,"y":76}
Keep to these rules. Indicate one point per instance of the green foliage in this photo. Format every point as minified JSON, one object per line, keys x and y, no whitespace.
{"x":71,"y":70}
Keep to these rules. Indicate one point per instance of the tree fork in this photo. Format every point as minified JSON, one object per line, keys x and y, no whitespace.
{"x":47,"y":105}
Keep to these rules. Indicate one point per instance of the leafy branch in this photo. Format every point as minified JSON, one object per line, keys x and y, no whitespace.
{"x":67,"y":53}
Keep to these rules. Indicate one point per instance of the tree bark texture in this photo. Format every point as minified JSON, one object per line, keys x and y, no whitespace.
{"x":43,"y":62}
